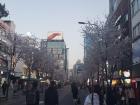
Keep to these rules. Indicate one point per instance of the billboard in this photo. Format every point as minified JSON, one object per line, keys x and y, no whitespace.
{"x":55,"y":36}
{"x":79,"y":68}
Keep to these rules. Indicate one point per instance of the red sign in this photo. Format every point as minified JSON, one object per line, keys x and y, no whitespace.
{"x":54,"y":35}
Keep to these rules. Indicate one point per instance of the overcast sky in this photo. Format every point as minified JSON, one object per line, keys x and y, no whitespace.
{"x":42,"y":16}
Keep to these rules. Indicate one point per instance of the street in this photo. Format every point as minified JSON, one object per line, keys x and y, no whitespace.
{"x":65,"y":97}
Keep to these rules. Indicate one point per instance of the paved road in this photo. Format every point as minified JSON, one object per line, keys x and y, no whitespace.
{"x":65,"y":98}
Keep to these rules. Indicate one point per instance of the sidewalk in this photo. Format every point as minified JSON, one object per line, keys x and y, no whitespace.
{"x":11,"y":97}
{"x":15,"y":100}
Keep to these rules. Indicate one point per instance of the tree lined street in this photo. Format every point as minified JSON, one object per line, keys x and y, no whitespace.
{"x":36,"y":70}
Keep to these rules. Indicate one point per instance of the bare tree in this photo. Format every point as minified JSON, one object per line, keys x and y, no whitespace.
{"x":105,"y":44}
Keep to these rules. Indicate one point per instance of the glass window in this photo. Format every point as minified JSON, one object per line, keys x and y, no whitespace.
{"x":132,"y":8}
{"x":139,"y":29}
{"x":136,"y":52}
{"x":126,"y":17}
{"x":51,"y":50}
{"x":139,"y":4}
{"x":136,"y":31}
{"x":0,"y":46}
{"x":135,"y":6}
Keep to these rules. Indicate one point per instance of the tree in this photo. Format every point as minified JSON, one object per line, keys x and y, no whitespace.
{"x":3,"y":11}
{"x":105,"y":44}
{"x":92,"y":46}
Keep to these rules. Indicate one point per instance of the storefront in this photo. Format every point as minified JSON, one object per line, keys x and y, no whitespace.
{"x":136,"y":68}
{"x":3,"y":69}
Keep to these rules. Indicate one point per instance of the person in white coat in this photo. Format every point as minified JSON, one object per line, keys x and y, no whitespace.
{"x":93,"y":97}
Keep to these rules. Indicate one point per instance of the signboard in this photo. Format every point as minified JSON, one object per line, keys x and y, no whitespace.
{"x":79,"y":68}
{"x":60,"y":45}
{"x":55,"y":36}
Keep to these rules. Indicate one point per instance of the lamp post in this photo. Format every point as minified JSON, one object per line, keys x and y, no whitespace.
{"x":92,"y":77}
{"x":99,"y":29}
{"x":88,"y":23}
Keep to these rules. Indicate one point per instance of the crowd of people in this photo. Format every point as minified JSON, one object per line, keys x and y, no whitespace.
{"x":33,"y":94}
{"x":98,"y":95}
{"x":107,"y":95}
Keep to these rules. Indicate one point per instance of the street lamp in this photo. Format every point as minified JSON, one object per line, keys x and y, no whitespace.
{"x":92,"y":77}
{"x":87,"y":23}
{"x":99,"y":40}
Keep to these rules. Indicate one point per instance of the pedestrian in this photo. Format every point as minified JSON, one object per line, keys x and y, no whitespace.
{"x":123,"y":96}
{"x":15,"y":87}
{"x":110,"y":99}
{"x":51,"y":95}
{"x":101,"y":95}
{"x":32,"y":94}
{"x":74,"y":90}
{"x":131,"y":96}
{"x":115,"y":95}
{"x":93,"y":97}
{"x":4,"y":88}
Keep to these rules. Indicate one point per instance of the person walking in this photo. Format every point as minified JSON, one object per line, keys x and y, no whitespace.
{"x":4,"y":88}
{"x":32,"y":94}
{"x":74,"y":90}
{"x":123,"y":96}
{"x":75,"y":94}
{"x":93,"y":97}
{"x":51,"y":95}
{"x":131,"y":96}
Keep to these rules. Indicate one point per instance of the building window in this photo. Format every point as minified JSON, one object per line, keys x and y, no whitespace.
{"x":139,"y":4}
{"x":135,"y":7}
{"x":51,"y":50}
{"x":136,"y":31}
{"x":0,"y":46}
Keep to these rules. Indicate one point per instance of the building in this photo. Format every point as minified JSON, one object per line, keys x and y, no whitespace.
{"x":88,"y":45}
{"x":56,"y":51}
{"x":120,"y":16}
{"x":79,"y":72}
{"x":135,"y":18}
{"x":7,"y":32}
{"x":125,"y":14}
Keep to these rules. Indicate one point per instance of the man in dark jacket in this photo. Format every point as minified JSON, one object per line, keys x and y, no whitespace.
{"x":32,"y":94}
{"x":51,"y":95}
{"x":74,"y":90}
{"x":4,"y":88}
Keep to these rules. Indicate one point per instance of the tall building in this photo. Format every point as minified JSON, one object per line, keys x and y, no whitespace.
{"x":135,"y":16}
{"x":56,"y":55}
{"x":125,"y":14}
{"x":120,"y":16}
{"x":7,"y":32}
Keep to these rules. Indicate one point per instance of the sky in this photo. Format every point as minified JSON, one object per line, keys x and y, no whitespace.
{"x":42,"y":16}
